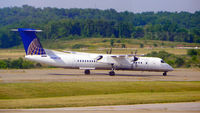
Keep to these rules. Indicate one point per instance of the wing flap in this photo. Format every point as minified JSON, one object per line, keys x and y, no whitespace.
{"x":85,"y":68}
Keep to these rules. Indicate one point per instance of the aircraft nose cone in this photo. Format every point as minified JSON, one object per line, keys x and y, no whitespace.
{"x":170,"y":68}
{"x":167,"y":67}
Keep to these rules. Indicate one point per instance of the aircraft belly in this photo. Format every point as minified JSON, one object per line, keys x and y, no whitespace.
{"x":102,"y":66}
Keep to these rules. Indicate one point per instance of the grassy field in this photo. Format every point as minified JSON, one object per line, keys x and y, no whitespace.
{"x":17,"y":53}
{"x":95,"y":43}
{"x":101,"y":45}
{"x":65,"y":94}
{"x":11,"y":53}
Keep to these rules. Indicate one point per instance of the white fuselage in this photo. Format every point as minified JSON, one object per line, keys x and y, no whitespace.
{"x":89,"y":61}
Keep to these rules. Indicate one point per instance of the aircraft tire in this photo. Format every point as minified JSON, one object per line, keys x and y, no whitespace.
{"x":87,"y":72}
{"x":165,"y":74}
{"x":112,"y":73}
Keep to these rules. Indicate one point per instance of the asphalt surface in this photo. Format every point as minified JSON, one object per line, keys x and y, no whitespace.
{"x":46,"y":75}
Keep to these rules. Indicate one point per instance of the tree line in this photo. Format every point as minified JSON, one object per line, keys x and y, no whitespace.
{"x":69,"y":24}
{"x":18,"y":64}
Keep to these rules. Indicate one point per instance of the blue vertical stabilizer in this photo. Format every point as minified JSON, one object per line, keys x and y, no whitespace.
{"x":31,"y":43}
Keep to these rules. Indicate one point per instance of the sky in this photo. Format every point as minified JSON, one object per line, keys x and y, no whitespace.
{"x":135,"y":6}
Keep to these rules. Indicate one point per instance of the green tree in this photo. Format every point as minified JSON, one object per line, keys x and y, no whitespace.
{"x":112,"y":42}
{"x":123,"y":45}
{"x":17,"y":64}
{"x":155,"y":45}
{"x":27,"y":65}
{"x":62,"y":23}
{"x":141,"y":45}
{"x":3,"y":64}
{"x":179,"y":62}
{"x":192,"y":52}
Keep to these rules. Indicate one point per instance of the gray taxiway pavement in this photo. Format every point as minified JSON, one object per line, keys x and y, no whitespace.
{"x":187,"y":107}
{"x":71,"y":75}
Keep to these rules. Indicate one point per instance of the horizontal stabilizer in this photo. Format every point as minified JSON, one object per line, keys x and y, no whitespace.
{"x":26,"y":29}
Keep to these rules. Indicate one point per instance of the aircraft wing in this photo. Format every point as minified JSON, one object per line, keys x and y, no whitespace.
{"x":115,"y":59}
{"x":119,"y":56}
{"x":123,"y":56}
{"x":52,"y":52}
{"x":121,"y":59}
{"x":74,"y":52}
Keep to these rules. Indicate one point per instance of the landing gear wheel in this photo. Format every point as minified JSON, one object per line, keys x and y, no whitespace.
{"x":165,"y":74}
{"x":112,"y":73}
{"x":87,"y":72}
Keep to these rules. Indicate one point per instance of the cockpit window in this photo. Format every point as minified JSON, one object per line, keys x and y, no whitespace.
{"x":162,"y":61}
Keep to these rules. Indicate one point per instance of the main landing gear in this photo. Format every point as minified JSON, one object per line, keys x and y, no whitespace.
{"x":165,"y":74}
{"x":112,"y":73}
{"x":87,"y":72}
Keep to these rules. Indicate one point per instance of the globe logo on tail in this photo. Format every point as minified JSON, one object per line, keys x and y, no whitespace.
{"x":35,"y":48}
{"x":31,"y":43}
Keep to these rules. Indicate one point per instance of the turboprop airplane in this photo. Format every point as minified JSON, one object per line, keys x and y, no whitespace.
{"x":87,"y":61}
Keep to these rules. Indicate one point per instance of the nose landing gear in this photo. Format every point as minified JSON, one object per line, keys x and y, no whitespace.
{"x":165,"y":74}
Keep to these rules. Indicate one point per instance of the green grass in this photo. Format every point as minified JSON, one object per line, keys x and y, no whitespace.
{"x":57,"y":89}
{"x":99,"y":100}
{"x":65,"y":94}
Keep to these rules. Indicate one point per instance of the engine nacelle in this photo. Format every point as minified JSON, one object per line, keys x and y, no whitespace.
{"x":135,"y":59}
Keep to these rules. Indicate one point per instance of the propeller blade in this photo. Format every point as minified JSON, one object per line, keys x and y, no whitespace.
{"x":135,"y":52}
{"x":111,"y":51}
{"x":131,"y":52}
{"x":134,"y":56}
{"x":107,"y":52}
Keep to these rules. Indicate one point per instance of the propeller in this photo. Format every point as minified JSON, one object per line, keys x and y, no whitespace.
{"x":134,"y":56}
{"x":109,"y":51}
{"x":131,"y":52}
{"x":106,"y":51}
{"x":135,"y":52}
